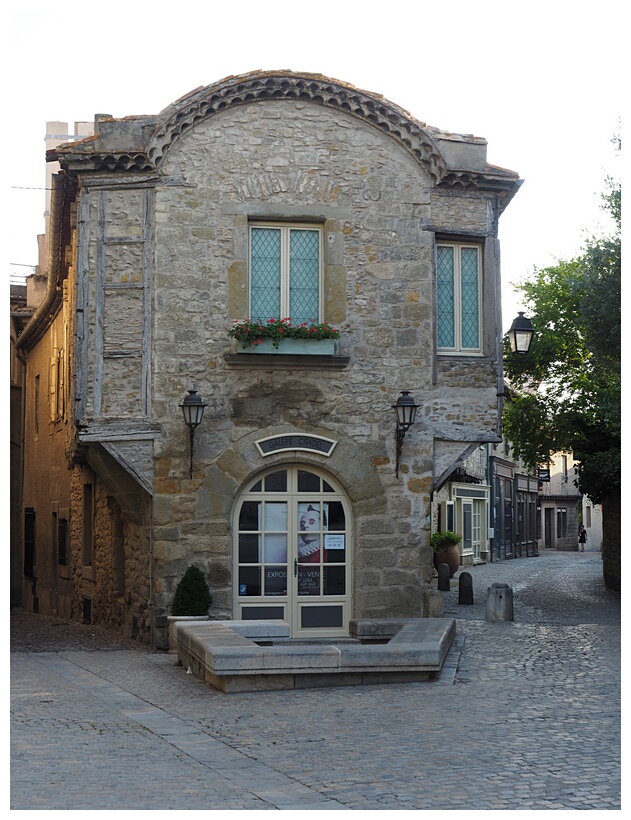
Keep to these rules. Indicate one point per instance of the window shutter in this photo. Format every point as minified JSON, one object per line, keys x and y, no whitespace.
{"x":53,"y":386}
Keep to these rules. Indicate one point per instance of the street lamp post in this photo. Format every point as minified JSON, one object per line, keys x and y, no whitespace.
{"x":193,"y":411}
{"x":405,"y":409}
{"x":520,"y":334}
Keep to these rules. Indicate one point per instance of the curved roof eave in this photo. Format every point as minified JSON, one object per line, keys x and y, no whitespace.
{"x":255,"y":86}
{"x":149,"y":138}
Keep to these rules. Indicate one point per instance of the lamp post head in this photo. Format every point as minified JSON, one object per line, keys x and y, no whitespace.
{"x":405,"y":410}
{"x":520,"y":334}
{"x":193,"y":409}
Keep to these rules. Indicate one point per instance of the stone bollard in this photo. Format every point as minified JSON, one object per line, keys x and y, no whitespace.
{"x":443,"y":577}
{"x":499,"y":603}
{"x":465,"y":588}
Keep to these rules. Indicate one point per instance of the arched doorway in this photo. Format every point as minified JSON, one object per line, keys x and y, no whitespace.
{"x":292,"y":551}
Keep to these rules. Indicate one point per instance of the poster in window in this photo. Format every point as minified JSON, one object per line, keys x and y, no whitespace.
{"x":275,"y":581}
{"x":312,"y":521}
{"x":308,"y":580}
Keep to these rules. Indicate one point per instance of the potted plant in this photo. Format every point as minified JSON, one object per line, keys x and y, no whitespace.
{"x":446,"y":550}
{"x":277,"y":335}
{"x":191,"y":601}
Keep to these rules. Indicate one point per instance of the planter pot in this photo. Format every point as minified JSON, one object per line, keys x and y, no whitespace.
{"x":293,"y":347}
{"x":450,"y":555}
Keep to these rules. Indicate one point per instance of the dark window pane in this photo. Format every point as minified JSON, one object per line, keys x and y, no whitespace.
{"x":316,"y":617}
{"x":249,"y":549}
{"x":326,"y":487}
{"x":29,"y":540}
{"x":334,"y":549}
{"x":249,"y":581}
{"x":276,"y":482}
{"x":249,"y":516}
{"x":62,"y":541}
{"x":275,"y":580}
{"x":256,"y":488}
{"x":334,"y":581}
{"x":336,"y":517}
{"x":308,"y":580}
{"x":308,"y":482}
{"x":263,"y":613}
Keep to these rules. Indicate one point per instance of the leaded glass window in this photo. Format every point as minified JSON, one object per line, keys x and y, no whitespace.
{"x":285,"y":266}
{"x":458,"y":298}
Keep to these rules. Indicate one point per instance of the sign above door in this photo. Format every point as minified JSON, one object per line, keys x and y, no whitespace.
{"x":281,"y":444}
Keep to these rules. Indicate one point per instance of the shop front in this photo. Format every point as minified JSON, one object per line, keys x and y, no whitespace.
{"x":293,"y":551}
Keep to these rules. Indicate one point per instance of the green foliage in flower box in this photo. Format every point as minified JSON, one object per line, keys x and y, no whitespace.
{"x":252,"y":332}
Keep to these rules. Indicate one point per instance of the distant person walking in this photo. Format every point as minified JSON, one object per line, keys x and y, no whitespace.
{"x":582,"y":537}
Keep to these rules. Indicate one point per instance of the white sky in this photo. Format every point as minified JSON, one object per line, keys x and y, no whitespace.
{"x":541,"y":81}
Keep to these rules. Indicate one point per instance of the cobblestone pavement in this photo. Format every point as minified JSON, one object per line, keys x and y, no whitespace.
{"x":525,"y":715}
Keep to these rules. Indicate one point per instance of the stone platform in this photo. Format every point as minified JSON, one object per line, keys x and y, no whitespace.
{"x":242,"y":656}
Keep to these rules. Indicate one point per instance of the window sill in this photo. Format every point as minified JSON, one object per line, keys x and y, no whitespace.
{"x":285,"y":361}
{"x":313,"y":354}
{"x":459,"y":354}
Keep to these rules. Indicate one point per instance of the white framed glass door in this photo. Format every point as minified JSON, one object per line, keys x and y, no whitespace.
{"x":293,"y":552}
{"x":472,"y":516}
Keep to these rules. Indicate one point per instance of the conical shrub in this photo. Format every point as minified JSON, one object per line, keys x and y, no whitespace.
{"x":192,"y":595}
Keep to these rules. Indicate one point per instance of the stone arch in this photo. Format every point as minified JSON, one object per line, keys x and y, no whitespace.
{"x":372,"y":109}
{"x":348,"y":464}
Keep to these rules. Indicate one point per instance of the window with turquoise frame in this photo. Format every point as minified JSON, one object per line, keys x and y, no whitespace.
{"x":458,"y":298}
{"x":285,"y":273}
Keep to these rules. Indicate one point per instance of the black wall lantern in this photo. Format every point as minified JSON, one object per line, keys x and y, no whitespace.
{"x":520,"y":334}
{"x":405,"y":410}
{"x":193,"y":410}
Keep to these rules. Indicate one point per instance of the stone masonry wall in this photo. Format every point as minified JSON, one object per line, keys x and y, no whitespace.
{"x":117,"y":582}
{"x":288,"y":160}
{"x":166,"y":275}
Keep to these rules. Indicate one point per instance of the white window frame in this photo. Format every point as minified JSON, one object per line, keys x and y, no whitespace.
{"x":285,"y":229}
{"x":457,"y":348}
{"x":478,"y":496}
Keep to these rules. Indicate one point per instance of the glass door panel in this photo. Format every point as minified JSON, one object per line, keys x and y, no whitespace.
{"x":274,"y":546}
{"x":467,"y":516}
{"x":293,"y":546}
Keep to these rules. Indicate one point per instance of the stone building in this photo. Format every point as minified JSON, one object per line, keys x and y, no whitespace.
{"x":559,"y":504}
{"x":514,"y":504}
{"x":268,"y":195}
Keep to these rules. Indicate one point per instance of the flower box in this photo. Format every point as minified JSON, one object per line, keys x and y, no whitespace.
{"x":293,"y":347}
{"x":280,"y":336}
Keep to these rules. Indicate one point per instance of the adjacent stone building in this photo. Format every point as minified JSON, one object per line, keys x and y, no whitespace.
{"x":268,"y":195}
{"x":560,"y":504}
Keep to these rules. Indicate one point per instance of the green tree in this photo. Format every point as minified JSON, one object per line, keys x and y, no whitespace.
{"x":566,"y":393}
{"x":192,"y":595}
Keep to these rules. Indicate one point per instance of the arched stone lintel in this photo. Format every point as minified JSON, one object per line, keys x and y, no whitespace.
{"x":372,"y":109}
{"x":241,"y":462}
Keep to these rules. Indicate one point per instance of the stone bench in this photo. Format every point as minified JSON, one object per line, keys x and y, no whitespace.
{"x":239,"y":656}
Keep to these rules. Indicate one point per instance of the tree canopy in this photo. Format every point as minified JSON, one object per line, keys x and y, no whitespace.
{"x":566,"y":392}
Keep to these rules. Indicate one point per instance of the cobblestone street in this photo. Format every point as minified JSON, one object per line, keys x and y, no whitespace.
{"x":524,"y":715}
